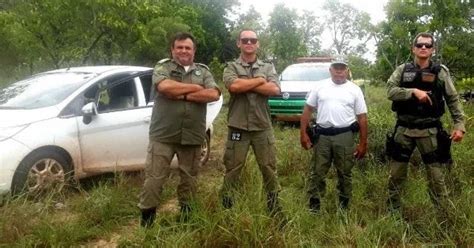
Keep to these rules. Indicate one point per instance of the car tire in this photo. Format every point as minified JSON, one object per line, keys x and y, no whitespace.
{"x":41,"y":171}
{"x":205,"y":150}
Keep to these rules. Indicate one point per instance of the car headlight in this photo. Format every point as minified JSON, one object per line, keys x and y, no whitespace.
{"x":8,"y":132}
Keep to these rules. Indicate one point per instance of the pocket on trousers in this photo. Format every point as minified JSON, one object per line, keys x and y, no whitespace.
{"x":229,"y":153}
{"x":271,"y":150}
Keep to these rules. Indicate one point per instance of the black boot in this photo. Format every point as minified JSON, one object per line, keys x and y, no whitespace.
{"x":273,"y":204}
{"x":148,"y":217}
{"x":393,"y":205}
{"x":343,"y":202}
{"x":227,"y":202}
{"x":276,"y":210}
{"x":184,"y":213}
{"x":314,"y":205}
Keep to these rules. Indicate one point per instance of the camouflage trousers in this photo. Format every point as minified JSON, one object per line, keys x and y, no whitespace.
{"x":158,"y":168}
{"x":328,"y":150}
{"x":237,"y":147}
{"x":426,"y":142}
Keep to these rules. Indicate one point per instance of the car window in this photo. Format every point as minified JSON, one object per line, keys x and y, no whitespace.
{"x":147,"y":87}
{"x":98,"y":93}
{"x":117,"y":96}
{"x":305,"y":73}
{"x":42,"y":90}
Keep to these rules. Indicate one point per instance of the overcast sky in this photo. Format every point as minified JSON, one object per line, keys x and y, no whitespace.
{"x":375,"y":8}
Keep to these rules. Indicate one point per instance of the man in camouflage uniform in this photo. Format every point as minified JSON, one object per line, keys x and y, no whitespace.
{"x":178,"y":124}
{"x":250,"y":81}
{"x":419,"y":91}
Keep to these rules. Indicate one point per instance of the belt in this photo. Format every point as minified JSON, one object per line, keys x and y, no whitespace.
{"x":331,"y":131}
{"x":425,"y":125}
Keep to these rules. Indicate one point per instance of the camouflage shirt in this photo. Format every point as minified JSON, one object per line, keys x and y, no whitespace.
{"x":249,"y":111}
{"x":177,"y":121}
{"x":397,"y":93}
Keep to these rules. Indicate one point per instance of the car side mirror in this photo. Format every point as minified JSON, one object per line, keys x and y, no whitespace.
{"x":88,"y":111}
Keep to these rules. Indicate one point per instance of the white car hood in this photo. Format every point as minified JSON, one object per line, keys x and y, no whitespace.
{"x":297,"y":86}
{"x":18,"y":117}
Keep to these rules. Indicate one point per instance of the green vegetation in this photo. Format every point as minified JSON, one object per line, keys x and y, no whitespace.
{"x":41,"y":35}
{"x":102,"y":211}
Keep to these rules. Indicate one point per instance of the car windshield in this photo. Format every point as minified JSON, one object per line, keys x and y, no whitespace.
{"x":42,"y":90}
{"x":305,"y":73}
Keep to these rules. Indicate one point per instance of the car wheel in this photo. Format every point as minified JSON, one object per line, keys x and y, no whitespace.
{"x":205,"y":150}
{"x":41,"y":171}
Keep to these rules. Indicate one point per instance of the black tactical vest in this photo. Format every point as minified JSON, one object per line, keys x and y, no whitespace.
{"x":423,"y":79}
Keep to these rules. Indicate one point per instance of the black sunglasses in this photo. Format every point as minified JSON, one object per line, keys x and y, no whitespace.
{"x":420,"y":45}
{"x":246,"y":40}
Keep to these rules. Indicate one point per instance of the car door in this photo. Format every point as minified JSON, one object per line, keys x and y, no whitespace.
{"x":117,"y":137}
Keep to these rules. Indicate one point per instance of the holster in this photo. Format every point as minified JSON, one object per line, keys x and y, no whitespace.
{"x":394,"y":150}
{"x":390,"y":145}
{"x":444,"y":147}
{"x":312,"y":132}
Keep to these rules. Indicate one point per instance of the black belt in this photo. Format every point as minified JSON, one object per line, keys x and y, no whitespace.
{"x":331,"y":131}
{"x":425,"y":125}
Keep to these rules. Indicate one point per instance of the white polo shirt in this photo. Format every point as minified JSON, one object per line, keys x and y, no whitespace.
{"x":336,"y":104}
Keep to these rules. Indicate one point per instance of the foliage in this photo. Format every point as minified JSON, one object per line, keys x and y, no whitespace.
{"x":287,"y":41}
{"x":448,"y":20}
{"x":311,"y":27}
{"x":348,"y":27}
{"x":103,"y":213}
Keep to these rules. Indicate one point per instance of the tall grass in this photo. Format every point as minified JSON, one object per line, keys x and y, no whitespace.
{"x":105,"y":213}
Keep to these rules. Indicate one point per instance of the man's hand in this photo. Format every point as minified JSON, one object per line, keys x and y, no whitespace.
{"x":422,"y":96}
{"x":360,"y":151}
{"x":305,"y":141}
{"x":456,"y":135}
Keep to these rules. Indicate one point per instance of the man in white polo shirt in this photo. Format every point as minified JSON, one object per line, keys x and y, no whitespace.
{"x":340,"y":111}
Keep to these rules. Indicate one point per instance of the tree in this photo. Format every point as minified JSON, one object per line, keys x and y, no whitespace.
{"x":448,"y":20}
{"x":287,"y":40}
{"x":311,"y":29}
{"x":348,"y":27}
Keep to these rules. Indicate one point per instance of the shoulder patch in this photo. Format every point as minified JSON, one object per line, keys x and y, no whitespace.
{"x":164,"y":60}
{"x":203,"y":65}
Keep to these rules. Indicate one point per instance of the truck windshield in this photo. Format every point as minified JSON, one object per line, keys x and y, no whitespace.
{"x":305,"y":73}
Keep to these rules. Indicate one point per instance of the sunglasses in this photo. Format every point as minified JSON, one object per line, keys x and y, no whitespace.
{"x":420,"y":45}
{"x":247,"y":40}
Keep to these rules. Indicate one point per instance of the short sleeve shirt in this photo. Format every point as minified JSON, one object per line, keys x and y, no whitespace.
{"x":249,"y":111}
{"x":337,"y":104}
{"x":174,"y":121}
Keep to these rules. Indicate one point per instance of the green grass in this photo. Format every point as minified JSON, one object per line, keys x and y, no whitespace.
{"x":104,"y":212}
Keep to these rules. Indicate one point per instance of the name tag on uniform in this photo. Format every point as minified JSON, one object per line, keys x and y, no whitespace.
{"x":428,"y":77}
{"x":409,"y":76}
{"x":235,"y":136}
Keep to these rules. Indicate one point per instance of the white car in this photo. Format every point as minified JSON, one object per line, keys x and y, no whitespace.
{"x":77,"y":122}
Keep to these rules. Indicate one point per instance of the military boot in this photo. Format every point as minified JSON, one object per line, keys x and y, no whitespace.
{"x":314,"y":205}
{"x":393,"y":205}
{"x":148,"y":217}
{"x":275,"y":210}
{"x":343,"y":202}
{"x":185,"y":212}
{"x":227,"y":202}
